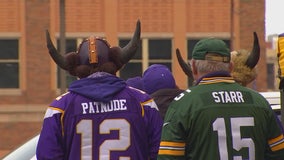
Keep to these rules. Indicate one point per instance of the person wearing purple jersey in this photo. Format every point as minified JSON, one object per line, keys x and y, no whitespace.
{"x":100,"y":117}
{"x":159,"y":82}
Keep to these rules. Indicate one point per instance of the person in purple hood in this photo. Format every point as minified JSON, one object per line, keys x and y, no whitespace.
{"x":159,"y":82}
{"x":100,"y":117}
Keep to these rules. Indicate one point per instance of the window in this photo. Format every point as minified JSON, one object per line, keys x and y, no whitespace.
{"x":152,"y":51}
{"x":160,"y":52}
{"x":160,"y":49}
{"x":9,"y":63}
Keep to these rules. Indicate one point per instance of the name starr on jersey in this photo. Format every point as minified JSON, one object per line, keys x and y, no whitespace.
{"x":100,"y":107}
{"x":221,"y":96}
{"x":228,"y":97}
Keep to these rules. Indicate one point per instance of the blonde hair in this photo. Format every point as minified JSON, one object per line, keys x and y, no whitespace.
{"x":241,"y":72}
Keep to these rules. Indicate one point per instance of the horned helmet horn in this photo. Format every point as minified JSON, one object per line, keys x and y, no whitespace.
{"x":126,"y":53}
{"x":185,"y":67}
{"x":255,"y":53}
{"x":58,"y":58}
{"x":130,"y":49}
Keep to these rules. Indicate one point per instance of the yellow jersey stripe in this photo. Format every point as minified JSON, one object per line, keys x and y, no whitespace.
{"x":214,"y":78}
{"x":277,"y":143}
{"x":278,"y":147}
{"x":274,"y":140}
{"x":217,"y":80}
{"x":172,"y":148}
{"x":172,"y":144}
{"x":171,"y":152}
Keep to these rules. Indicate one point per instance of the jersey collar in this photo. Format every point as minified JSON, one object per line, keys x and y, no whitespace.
{"x":216,"y":77}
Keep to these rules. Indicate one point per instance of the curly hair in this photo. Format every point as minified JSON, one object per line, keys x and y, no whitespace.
{"x":241,"y":72}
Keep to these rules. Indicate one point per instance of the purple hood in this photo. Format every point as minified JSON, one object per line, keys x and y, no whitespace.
{"x":99,"y":86}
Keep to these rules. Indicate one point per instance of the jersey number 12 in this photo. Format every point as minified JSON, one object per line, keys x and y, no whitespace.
{"x":84,"y":128}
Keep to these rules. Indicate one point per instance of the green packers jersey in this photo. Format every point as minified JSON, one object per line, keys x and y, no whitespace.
{"x":220,"y":120}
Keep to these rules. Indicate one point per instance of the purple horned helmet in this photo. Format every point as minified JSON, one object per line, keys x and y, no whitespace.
{"x":95,"y":54}
{"x":94,"y":50}
{"x":244,"y":61}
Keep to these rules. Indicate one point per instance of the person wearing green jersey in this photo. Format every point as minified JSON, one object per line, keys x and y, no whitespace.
{"x":218,"y":119}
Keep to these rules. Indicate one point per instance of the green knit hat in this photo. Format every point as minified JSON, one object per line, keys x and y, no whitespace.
{"x":218,"y":48}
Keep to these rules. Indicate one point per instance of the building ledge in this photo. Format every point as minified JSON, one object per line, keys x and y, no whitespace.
{"x":22,"y":113}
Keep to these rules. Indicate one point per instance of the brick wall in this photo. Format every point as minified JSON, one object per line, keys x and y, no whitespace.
{"x":208,"y":16}
{"x":252,"y":18}
{"x":13,"y":134}
{"x":30,"y":20}
{"x":37,"y":58}
{"x":10,"y":15}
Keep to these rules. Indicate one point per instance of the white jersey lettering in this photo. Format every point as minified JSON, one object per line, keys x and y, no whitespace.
{"x":99,"y":107}
{"x":228,"y":97}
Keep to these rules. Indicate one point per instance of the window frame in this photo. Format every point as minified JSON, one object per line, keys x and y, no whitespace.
{"x":16,"y":90}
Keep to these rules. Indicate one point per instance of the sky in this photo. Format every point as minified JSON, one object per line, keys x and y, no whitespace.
{"x":274,"y":19}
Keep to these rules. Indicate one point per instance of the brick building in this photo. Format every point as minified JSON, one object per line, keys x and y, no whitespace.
{"x":30,"y":80}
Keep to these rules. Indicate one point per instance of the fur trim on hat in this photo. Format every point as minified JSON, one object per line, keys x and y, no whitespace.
{"x":81,"y":71}
{"x":241,"y":73}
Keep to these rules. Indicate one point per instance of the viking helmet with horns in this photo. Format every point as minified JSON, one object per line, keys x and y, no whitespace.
{"x":244,"y":61}
{"x":95,"y":54}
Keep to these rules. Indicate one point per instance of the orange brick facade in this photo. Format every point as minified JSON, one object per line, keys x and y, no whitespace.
{"x":22,"y":110}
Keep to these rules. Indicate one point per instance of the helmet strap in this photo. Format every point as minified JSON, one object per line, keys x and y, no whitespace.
{"x":92,"y":50}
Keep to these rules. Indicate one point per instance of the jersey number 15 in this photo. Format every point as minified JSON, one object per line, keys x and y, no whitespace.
{"x":237,"y":141}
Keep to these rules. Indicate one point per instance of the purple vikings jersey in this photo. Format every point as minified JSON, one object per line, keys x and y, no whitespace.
{"x":101,"y":118}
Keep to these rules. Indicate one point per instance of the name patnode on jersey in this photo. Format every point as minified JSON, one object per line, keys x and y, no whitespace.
{"x":100,"y":107}
{"x":228,"y":97}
